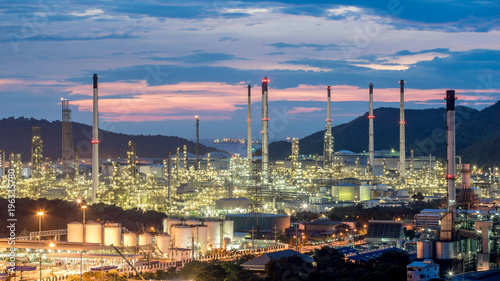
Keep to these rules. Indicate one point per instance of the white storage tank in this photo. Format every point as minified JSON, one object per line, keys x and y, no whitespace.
{"x":365,"y":192}
{"x":163,"y":243}
{"x":181,"y":235}
{"x":75,"y":232}
{"x":167,"y":224}
{"x":112,"y":234}
{"x":213,"y":233}
{"x":145,"y":239}
{"x":200,"y":234}
{"x":420,"y":249}
{"x":193,"y":222}
{"x":129,"y":239}
{"x":228,"y":229}
{"x":402,"y":193}
{"x":93,"y":232}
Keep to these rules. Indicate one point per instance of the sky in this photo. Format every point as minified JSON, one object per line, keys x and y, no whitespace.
{"x":160,"y":63}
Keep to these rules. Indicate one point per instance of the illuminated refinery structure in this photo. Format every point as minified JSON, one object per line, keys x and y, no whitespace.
{"x":215,"y":186}
{"x":67,"y":141}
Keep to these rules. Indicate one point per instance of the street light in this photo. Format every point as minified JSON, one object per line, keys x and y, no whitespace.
{"x":40,"y":215}
{"x":51,"y":246}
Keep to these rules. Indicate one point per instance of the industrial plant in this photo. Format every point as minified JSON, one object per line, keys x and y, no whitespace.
{"x":222,"y":206}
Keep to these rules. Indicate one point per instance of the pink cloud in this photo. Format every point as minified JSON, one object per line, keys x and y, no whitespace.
{"x":304,"y":110}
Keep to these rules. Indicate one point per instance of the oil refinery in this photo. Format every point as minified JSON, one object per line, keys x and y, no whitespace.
{"x":220,"y":206}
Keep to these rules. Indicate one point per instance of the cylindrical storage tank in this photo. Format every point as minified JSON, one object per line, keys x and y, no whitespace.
{"x":228,"y":229}
{"x":213,"y":233}
{"x":381,"y":187}
{"x":145,"y":239}
{"x":129,"y":239}
{"x":75,"y":232}
{"x":93,"y":232}
{"x":112,"y":234}
{"x":428,"y":250}
{"x":365,"y":192}
{"x":420,"y":249}
{"x":163,"y":243}
{"x":181,"y":235}
{"x":193,"y":222}
{"x":167,"y":225}
{"x":200,"y":234}
{"x":402,"y":193}
{"x":444,"y":250}
{"x":322,"y":189}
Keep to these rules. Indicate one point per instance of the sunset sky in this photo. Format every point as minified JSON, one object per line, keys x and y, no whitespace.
{"x":162,"y":62}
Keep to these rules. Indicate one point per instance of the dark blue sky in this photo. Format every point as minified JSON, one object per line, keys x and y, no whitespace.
{"x":162,"y":62}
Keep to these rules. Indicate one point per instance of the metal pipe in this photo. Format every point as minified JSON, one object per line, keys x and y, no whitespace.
{"x":249,"y":129}
{"x":197,"y":142}
{"x":265,"y":136}
{"x":402,"y":149}
{"x":95,"y":143}
{"x":450,"y":149}
{"x":370,"y":130}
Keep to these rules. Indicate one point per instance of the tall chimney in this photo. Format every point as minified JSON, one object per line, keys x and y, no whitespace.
{"x":370,"y":130}
{"x":197,"y":142}
{"x":95,"y":144}
{"x":402,"y":149}
{"x":450,"y":148}
{"x":265,"y":135}
{"x":328,"y":141}
{"x":249,"y":130}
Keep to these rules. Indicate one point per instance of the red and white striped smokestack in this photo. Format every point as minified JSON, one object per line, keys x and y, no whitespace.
{"x":370,"y":129}
{"x":402,"y":145}
{"x":95,"y":144}
{"x":450,"y":149}
{"x":249,"y":129}
{"x":265,"y":132}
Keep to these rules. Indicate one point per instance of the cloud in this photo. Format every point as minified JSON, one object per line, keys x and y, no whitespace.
{"x":227,"y":38}
{"x":199,"y":58}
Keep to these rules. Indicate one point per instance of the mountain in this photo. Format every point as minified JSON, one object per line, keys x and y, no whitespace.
{"x":15,"y":136}
{"x":477,"y":134}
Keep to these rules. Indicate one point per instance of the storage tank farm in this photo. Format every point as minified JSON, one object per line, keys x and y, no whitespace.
{"x":75,"y":232}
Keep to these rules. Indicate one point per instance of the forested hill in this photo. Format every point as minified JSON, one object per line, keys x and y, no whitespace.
{"x":15,"y":136}
{"x":477,"y":134}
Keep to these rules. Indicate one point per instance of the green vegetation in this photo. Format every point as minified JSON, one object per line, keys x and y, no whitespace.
{"x":332,"y":266}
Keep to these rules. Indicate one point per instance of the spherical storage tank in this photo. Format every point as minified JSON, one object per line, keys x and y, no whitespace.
{"x":182,"y":234}
{"x":129,"y":239}
{"x":75,"y":232}
{"x":93,"y":232}
{"x":167,"y":224}
{"x":213,"y":233}
{"x":200,"y":234}
{"x":163,"y":243}
{"x":145,"y":239}
{"x":112,"y":234}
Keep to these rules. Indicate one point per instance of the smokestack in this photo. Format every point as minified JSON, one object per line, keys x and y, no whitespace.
{"x":265,"y":136}
{"x":465,"y":176}
{"x":197,"y":142}
{"x":450,"y":148}
{"x":249,"y":121}
{"x":328,"y":141}
{"x":402,"y":149}
{"x":95,"y":144}
{"x":370,"y":129}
